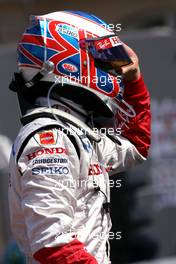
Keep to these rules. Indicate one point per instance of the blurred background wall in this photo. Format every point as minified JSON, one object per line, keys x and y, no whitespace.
{"x":150,"y":28}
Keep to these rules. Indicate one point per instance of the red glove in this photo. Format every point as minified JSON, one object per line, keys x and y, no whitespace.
{"x":137,"y":129}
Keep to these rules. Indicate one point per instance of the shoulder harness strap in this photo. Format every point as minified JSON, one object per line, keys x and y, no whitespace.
{"x":66,"y":131}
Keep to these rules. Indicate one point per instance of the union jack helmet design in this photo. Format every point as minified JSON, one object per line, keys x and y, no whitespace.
{"x":58,"y":38}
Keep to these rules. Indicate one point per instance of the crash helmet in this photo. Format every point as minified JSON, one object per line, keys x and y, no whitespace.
{"x":70,"y":51}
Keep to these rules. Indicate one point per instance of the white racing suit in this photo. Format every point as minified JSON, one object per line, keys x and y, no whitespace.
{"x":58,"y":188}
{"x":54,"y":192}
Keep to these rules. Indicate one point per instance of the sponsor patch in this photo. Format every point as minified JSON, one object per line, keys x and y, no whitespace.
{"x":94,"y":169}
{"x":67,"y":30}
{"x":108,"y":42}
{"x":46,"y":138}
{"x":69,"y":67}
{"x":50,"y":161}
{"x":47,"y":151}
{"x":50,"y":170}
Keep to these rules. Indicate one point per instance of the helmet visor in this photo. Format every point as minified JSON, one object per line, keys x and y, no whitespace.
{"x":107,"y":49}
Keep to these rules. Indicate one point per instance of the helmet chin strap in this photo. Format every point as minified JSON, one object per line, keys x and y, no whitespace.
{"x":78,"y":109}
{"x":47,"y":68}
{"x":63,"y":104}
{"x":18,"y":83}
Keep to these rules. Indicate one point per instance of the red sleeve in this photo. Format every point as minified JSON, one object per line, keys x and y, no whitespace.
{"x":138,"y":129}
{"x":71,"y":253}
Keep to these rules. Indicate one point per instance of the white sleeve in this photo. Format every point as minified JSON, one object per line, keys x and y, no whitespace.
{"x":117,"y":158}
{"x":48,"y":174}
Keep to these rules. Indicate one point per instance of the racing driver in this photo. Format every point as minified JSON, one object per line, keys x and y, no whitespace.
{"x":77,"y":85}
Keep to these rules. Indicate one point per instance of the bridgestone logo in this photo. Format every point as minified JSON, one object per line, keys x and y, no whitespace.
{"x":49,"y":161}
{"x":47,"y":151}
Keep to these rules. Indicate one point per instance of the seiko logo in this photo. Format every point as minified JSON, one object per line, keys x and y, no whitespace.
{"x":47,"y":151}
{"x":50,"y":170}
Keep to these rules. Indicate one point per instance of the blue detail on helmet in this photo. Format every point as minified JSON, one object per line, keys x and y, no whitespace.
{"x":88,"y":16}
{"x":38,"y":28}
{"x":42,"y":25}
{"x":104,"y":81}
{"x":34,"y":30}
{"x":73,"y":60}
{"x":70,"y":39}
{"x":38,"y":51}
{"x":23,"y":59}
